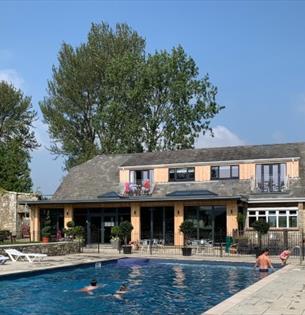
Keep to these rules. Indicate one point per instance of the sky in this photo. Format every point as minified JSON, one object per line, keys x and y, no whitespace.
{"x":253,"y":51}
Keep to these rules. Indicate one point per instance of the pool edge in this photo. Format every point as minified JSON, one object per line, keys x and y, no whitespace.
{"x":240,"y":296}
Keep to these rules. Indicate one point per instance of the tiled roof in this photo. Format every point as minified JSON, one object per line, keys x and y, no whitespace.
{"x":233,"y":153}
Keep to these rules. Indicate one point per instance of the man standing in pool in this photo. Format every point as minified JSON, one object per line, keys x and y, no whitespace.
{"x":263,"y":261}
{"x":88,"y":289}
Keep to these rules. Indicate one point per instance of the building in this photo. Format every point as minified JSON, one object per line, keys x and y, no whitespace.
{"x":158,"y":191}
{"x":15,"y":217}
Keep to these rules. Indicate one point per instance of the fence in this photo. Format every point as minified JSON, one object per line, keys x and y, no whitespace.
{"x":247,"y":244}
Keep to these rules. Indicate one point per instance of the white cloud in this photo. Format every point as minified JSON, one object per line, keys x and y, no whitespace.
{"x":11,"y":76}
{"x":223,"y":137}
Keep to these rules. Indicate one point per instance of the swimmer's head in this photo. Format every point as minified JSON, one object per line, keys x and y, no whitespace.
{"x":93,"y":282}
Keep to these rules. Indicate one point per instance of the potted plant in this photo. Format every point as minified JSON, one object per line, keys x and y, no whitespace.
{"x":187,"y":228}
{"x":46,"y":230}
{"x":125,"y":230}
{"x":115,"y":239}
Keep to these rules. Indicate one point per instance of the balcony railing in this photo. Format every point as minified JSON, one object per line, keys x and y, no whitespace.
{"x":270,"y":186}
{"x":139,"y":188}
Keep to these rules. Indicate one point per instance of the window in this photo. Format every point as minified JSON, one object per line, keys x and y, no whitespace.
{"x":181,"y":174}
{"x":138,"y":177}
{"x":225,"y":172}
{"x":270,"y":177}
{"x":275,"y":218}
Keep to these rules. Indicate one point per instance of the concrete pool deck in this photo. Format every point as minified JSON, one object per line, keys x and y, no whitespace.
{"x":281,"y":293}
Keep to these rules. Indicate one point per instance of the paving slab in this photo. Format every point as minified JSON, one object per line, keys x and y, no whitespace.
{"x":281,"y":293}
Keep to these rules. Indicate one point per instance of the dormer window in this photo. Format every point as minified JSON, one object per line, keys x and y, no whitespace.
{"x":225,"y":172}
{"x":181,"y":174}
{"x":139,"y":176}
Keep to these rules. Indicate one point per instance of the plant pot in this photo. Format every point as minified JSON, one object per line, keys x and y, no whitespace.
{"x":187,"y":251}
{"x":45,"y":239}
{"x":126,"y":249}
{"x":116,"y":244}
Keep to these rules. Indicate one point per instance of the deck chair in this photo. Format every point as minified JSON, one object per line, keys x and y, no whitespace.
{"x":3,"y":259}
{"x":15,"y":255}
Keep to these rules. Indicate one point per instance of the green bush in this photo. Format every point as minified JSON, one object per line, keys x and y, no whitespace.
{"x":261,"y":227}
{"x":187,"y":228}
{"x":125,"y":228}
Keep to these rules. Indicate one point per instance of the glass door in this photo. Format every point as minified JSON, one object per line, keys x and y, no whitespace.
{"x":95,"y":229}
{"x":108,"y":223}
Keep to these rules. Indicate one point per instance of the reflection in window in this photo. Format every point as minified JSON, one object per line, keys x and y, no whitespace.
{"x":181,"y":174}
{"x":275,"y":218}
{"x":270,"y":177}
{"x":225,"y":172}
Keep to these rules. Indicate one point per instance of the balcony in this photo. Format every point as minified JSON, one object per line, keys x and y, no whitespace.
{"x":270,"y":186}
{"x":139,"y":188}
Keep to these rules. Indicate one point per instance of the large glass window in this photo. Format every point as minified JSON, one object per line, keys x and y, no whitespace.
{"x":225,"y":172}
{"x":270,"y":177}
{"x":138,"y":177}
{"x":275,"y":217}
{"x":209,"y":222}
{"x":181,"y":174}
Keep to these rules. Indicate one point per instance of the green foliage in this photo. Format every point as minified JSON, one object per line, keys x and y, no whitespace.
{"x":17,"y":138}
{"x":116,"y":232}
{"x":261,"y":227}
{"x":46,"y":230}
{"x":70,"y":224}
{"x":74,"y":231}
{"x":187,"y":228}
{"x":125,"y":230}
{"x":108,"y":96}
{"x":15,"y":174}
{"x":241,"y":219}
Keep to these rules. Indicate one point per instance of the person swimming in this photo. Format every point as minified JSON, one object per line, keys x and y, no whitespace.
{"x":93,"y":286}
{"x":121,"y":291}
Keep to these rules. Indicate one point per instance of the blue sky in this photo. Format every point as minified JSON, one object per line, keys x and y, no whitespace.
{"x":253,"y":51}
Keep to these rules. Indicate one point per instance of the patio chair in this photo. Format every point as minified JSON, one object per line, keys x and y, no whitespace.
{"x":15,"y":255}
{"x":3,"y":259}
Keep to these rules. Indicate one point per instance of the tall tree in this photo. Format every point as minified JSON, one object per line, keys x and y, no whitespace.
{"x":108,"y":96}
{"x":92,"y":95}
{"x":179,"y":105}
{"x":15,"y":174}
{"x":17,"y":138}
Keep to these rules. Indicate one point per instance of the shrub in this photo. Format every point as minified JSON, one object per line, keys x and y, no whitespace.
{"x":187,"y":228}
{"x":125,"y":228}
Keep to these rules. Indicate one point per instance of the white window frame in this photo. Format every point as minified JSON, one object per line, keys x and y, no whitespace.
{"x":277,"y":215}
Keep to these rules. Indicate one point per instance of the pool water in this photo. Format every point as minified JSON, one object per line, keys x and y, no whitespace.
{"x":154,"y":287}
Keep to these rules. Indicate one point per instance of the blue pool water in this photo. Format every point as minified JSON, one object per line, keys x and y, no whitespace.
{"x":154,"y":287}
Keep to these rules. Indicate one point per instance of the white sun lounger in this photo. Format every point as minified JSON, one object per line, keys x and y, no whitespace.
{"x":3,"y":259}
{"x":15,"y":255}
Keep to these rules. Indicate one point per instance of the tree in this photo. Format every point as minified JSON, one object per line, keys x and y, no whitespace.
{"x":17,"y":138}
{"x":108,"y":96}
{"x":92,"y":103}
{"x":179,"y":105}
{"x":261,"y":227}
{"x":16,"y":117}
{"x":15,"y":173}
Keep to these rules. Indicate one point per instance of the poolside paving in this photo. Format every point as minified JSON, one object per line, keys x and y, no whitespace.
{"x":281,"y":293}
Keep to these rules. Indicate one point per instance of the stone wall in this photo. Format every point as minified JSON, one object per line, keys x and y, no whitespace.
{"x":51,"y":249}
{"x":12,"y":215}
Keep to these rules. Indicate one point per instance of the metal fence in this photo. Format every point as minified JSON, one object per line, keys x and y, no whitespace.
{"x":247,"y":244}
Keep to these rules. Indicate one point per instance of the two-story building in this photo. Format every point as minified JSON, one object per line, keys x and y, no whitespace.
{"x":158,"y":191}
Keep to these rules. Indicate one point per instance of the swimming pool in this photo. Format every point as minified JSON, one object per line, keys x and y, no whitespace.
{"x":154,"y":287}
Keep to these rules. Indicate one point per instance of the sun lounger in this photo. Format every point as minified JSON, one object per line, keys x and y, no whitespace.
{"x":15,"y":255}
{"x":3,"y":259}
